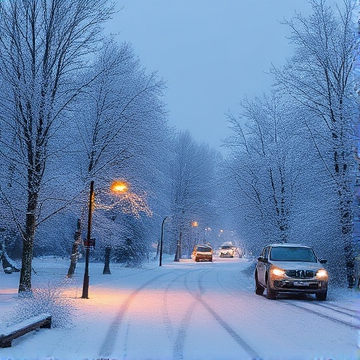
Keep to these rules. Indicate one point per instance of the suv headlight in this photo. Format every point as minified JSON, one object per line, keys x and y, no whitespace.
{"x":322,"y":274}
{"x":277,"y":272}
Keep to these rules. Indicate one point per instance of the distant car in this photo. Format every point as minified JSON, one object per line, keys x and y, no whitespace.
{"x":290,"y":268}
{"x":227,"y":249}
{"x":202,"y":252}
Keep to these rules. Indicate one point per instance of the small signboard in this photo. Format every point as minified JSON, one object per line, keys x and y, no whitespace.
{"x":89,"y":243}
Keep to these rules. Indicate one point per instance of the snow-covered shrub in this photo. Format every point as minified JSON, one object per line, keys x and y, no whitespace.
{"x":49,"y":299}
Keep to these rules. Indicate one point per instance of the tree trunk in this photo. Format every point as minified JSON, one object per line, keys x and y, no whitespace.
{"x":346,"y":212}
{"x":178,"y":249}
{"x":107,"y":260}
{"x":27,"y":253}
{"x":74,"y":252}
{"x":157,"y":250}
{"x":346,"y":231}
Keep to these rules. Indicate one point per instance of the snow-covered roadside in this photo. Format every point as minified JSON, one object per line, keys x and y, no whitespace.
{"x":93,"y":316}
{"x":87,"y":314}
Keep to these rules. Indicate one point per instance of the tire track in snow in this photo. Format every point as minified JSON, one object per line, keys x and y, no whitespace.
{"x":181,"y":333}
{"x":221,"y":283}
{"x":184,"y":325}
{"x":239,"y":340}
{"x":349,"y":323}
{"x":340,"y":309}
{"x":178,"y":336}
{"x":111,"y":335}
{"x":166,"y":318}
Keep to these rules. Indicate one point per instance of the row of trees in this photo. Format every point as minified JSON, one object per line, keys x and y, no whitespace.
{"x":45,"y":48}
{"x":292,"y":167}
{"x":77,"y":107}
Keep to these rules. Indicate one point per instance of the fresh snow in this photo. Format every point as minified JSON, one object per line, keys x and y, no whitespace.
{"x":182,"y":310}
{"x":16,"y":326}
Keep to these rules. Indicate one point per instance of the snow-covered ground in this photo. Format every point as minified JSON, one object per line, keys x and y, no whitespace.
{"x":182,"y":310}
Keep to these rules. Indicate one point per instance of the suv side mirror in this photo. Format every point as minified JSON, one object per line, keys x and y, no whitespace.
{"x":263,"y":259}
{"x":322,"y":261}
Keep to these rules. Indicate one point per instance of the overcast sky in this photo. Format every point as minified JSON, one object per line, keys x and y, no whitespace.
{"x":210,"y":52}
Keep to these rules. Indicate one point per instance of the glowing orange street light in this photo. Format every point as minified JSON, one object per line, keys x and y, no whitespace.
{"x":119,"y":186}
{"x":194,"y":224}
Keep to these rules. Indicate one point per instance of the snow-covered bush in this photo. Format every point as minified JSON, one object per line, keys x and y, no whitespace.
{"x":49,"y":299}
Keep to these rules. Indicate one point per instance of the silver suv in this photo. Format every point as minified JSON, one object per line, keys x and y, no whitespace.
{"x":290,"y":268}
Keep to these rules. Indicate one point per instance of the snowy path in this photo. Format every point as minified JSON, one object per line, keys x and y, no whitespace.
{"x":181,"y":317}
{"x":192,"y":311}
{"x":209,"y":311}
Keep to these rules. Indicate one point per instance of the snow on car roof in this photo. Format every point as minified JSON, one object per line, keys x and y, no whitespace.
{"x":288,"y":245}
{"x":227,"y":243}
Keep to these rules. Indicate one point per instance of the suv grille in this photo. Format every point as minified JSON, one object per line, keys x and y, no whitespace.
{"x":301,"y":274}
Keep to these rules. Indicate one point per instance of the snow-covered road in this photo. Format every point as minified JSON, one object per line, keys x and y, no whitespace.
{"x":191,"y":311}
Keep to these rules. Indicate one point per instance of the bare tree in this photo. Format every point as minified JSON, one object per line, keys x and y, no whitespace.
{"x":319,"y":77}
{"x":119,"y":105}
{"x":119,"y":121}
{"x":193,"y":189}
{"x":44,"y":45}
{"x":263,"y":167}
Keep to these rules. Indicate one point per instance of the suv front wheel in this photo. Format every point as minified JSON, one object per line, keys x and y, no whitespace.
{"x":270,"y":293}
{"x":321,"y":296}
{"x":259,"y":290}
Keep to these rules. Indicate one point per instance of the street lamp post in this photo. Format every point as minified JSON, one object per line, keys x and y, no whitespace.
{"x":162,"y":240}
{"x":85,"y":293}
{"x":116,"y":187}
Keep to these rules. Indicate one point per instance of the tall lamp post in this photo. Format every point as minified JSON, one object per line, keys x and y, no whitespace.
{"x":119,"y":187}
{"x":162,"y":240}
{"x":85,"y":293}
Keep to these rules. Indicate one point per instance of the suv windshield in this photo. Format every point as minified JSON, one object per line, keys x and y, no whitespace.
{"x":292,"y":254}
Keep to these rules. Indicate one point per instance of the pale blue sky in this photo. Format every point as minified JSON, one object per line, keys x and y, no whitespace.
{"x":211,"y":53}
